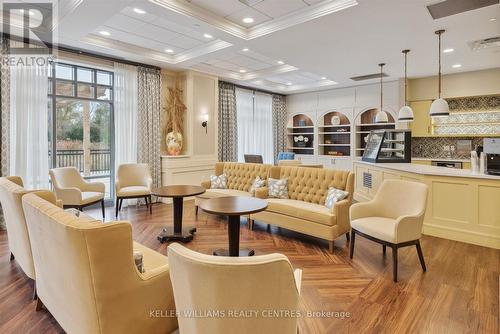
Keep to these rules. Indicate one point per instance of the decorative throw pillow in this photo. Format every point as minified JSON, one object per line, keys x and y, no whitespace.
{"x":138,"y":261}
{"x":278,"y":188}
{"x":334,"y":195}
{"x":257,"y":183}
{"x":218,"y":182}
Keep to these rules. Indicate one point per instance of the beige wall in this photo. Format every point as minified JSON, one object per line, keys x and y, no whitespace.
{"x":485,"y":82}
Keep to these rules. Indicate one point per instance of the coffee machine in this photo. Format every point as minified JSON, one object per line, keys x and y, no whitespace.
{"x":491,"y":147}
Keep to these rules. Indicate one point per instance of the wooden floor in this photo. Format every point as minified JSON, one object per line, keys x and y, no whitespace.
{"x":459,"y":293}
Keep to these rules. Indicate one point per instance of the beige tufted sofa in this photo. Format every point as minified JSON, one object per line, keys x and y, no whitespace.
{"x":304,"y":211}
{"x":240,"y":177}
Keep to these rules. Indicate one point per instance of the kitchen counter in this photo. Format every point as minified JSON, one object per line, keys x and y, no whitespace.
{"x":461,"y":205}
{"x":440,"y":159}
{"x":431,"y":170}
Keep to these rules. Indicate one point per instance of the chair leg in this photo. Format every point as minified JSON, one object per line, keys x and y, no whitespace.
{"x":146,"y":200}
{"x":395,"y":263}
{"x":117,"y":207}
{"x":121,"y":202}
{"x":250,"y":223}
{"x":150,"y":205}
{"x":331,"y":246}
{"x":196,"y":210}
{"x":347,"y":237}
{"x":39,"y":304}
{"x":353,"y":238}
{"x":103,"y":209}
{"x":12,"y":257}
{"x":384,"y":247}
{"x":35,"y":296}
{"x":421,"y":256}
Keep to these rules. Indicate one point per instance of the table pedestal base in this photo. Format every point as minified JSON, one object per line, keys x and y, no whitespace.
{"x":242,"y":252}
{"x":168,"y":234}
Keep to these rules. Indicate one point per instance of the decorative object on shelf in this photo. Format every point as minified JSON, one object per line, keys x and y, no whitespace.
{"x":335,"y":120}
{"x":328,"y":141}
{"x":175,"y":111}
{"x":204,"y":123}
{"x":439,"y":107}
{"x":381,"y":116}
{"x":301,"y":141}
{"x":406,"y":112}
{"x":301,"y":122}
{"x":342,"y":130}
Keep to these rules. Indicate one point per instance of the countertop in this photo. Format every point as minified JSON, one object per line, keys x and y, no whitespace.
{"x":441,"y":159}
{"x":430,"y":170}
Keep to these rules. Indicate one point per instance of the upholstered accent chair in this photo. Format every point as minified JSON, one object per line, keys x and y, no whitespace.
{"x":133,"y":181}
{"x":304,"y":210}
{"x":253,"y":158}
{"x":393,"y":218}
{"x":87,"y":277}
{"x":11,"y":193}
{"x":204,"y":283}
{"x":286,"y":156}
{"x":74,"y":191}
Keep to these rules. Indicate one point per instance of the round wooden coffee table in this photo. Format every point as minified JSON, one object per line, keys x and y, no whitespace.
{"x":177,"y":193}
{"x":233,"y":207}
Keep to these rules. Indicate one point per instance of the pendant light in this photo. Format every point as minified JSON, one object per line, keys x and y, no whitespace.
{"x":439,"y":108}
{"x":381,"y":116}
{"x":406,"y":113}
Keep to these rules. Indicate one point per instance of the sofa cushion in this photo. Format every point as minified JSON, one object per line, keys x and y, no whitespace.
{"x":218,"y":181}
{"x":133,"y":191}
{"x":377,"y":227}
{"x":257,"y":183}
{"x":278,"y":188}
{"x":90,"y":196}
{"x":303,"y":210}
{"x":214,"y":193}
{"x":333,"y":196}
{"x":240,"y":176}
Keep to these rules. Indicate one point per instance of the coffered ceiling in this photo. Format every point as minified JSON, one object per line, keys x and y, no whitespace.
{"x":285,"y":46}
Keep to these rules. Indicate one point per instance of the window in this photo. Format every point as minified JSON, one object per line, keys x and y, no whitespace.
{"x":80,"y":115}
{"x":255,"y":124}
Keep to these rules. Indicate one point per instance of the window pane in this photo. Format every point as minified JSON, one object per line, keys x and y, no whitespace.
{"x":50,"y":87}
{"x":65,"y":88}
{"x":103,"y":93}
{"x":85,"y":90}
{"x":84,"y":75}
{"x":64,"y":72}
{"x":69,"y":135}
{"x":103,"y":78}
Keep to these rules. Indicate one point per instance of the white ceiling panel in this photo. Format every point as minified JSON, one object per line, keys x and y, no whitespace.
{"x":185,"y":42}
{"x":124,"y":22}
{"x":168,"y":24}
{"x":312,"y":2}
{"x":156,"y":33}
{"x":220,"y":7}
{"x":237,"y":17}
{"x":277,"y":8}
{"x":227,"y":66}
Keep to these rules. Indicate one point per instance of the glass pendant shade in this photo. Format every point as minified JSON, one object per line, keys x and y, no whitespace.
{"x":405,"y":114}
{"x":381,"y":117}
{"x":439,"y":108}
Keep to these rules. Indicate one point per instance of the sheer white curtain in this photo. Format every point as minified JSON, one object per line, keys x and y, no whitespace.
{"x":255,"y":124}
{"x":29,"y":118}
{"x":125,"y":114}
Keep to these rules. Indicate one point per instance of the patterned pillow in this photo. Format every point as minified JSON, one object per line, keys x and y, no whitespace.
{"x":278,"y":188}
{"x":257,"y":183}
{"x":138,"y":261}
{"x":334,"y":195}
{"x":218,"y":182}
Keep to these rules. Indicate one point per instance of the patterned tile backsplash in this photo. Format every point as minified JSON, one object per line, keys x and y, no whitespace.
{"x":433,"y":147}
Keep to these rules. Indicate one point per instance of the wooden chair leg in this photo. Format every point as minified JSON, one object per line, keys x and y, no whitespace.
{"x":421,"y":256}
{"x":35,"y":296}
{"x":331,"y":245}
{"x":395,"y":263}
{"x":39,"y":305}
{"x":353,"y":238}
{"x":103,"y":209}
{"x":196,"y":210}
{"x":347,"y":237}
{"x":121,"y":202}
{"x":146,"y":200}
{"x":12,"y":257}
{"x":384,"y":247}
{"x":150,"y":205}
{"x":250,"y":223}
{"x":117,"y":208}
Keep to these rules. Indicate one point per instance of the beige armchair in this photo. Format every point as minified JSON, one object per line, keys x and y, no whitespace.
{"x":393,"y":218}
{"x":204,"y":283}
{"x":74,"y":191}
{"x":11,"y":193}
{"x":87,"y":277}
{"x":133,"y":181}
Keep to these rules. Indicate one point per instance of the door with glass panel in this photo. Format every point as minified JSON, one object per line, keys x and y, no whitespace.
{"x":81,"y":116}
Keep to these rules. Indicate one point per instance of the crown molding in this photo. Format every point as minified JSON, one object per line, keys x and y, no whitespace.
{"x":306,"y":14}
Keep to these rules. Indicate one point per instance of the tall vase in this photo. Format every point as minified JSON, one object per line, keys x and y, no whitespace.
{"x":174,"y":143}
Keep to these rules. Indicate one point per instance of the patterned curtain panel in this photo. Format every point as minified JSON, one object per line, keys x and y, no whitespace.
{"x":4,"y":118}
{"x":279,"y":125}
{"x":148,"y":121}
{"x":228,"y":134}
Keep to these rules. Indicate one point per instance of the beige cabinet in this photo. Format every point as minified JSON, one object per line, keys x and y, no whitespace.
{"x":422,"y":123}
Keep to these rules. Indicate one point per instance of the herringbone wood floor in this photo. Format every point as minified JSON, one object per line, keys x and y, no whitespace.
{"x":459,"y":293}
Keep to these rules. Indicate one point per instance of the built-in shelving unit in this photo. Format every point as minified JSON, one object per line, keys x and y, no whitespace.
{"x":365,"y":124}
{"x":300,"y":135}
{"x":334,"y":135}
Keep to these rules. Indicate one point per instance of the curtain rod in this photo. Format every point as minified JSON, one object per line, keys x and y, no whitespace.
{"x":82,"y":52}
{"x":254,"y":89}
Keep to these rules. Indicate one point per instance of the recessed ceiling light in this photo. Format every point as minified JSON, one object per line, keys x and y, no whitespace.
{"x":248,"y":20}
{"x":139,"y":11}
{"x":281,"y":62}
{"x":169,"y":51}
{"x":243,"y":71}
{"x":104,"y":33}
{"x":208,"y":36}
{"x":288,"y":83}
{"x":493,"y":19}
{"x":457,"y":66}
{"x":448,"y":50}
{"x":245,"y":50}
{"x":323,"y":78}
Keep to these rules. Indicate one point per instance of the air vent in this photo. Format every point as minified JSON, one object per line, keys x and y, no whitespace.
{"x":493,"y":42}
{"x":452,"y":7}
{"x":368,"y":77}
